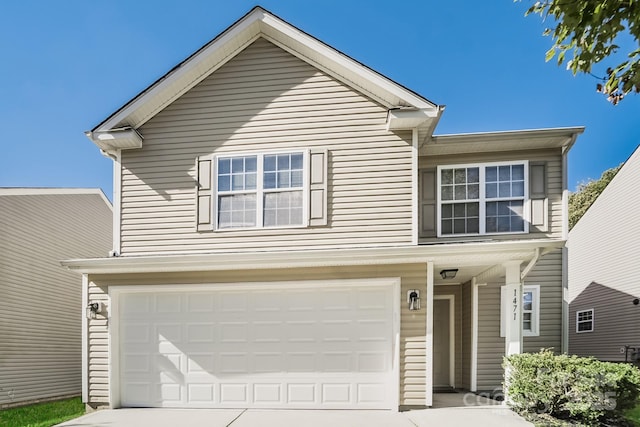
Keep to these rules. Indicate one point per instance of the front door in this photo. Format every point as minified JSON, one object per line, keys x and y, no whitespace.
{"x":441,"y":343}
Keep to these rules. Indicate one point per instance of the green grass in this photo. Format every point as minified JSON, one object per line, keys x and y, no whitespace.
{"x":633,"y":415}
{"x":42,"y":414}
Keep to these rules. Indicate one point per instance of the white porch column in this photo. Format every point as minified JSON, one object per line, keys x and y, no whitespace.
{"x":429,"y":336}
{"x":512,"y":309}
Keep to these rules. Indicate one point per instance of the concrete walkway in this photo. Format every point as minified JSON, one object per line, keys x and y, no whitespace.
{"x":456,"y":409}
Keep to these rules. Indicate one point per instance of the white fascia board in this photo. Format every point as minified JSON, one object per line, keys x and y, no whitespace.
{"x":316,"y":258}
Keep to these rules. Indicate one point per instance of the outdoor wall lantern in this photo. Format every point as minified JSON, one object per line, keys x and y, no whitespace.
{"x":94,"y":308}
{"x":449,"y":274}
{"x":413,"y":299}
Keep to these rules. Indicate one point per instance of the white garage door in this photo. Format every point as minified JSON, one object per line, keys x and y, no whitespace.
{"x":296,"y":346}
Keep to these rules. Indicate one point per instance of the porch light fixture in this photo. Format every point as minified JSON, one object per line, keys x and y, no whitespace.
{"x":449,"y":274}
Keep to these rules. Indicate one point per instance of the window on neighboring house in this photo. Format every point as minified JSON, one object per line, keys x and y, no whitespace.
{"x":530,"y":310}
{"x":261,"y":190}
{"x":486,"y":198}
{"x":584,"y":320}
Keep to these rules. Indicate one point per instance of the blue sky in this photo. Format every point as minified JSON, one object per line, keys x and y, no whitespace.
{"x":68,"y":65}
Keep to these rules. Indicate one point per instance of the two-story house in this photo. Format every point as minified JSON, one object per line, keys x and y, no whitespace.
{"x":291,"y":234}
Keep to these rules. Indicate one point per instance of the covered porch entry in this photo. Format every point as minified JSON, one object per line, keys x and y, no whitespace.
{"x":479,"y":307}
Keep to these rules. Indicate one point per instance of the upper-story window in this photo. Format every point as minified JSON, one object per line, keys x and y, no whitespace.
{"x":486,"y":198}
{"x":260,"y":190}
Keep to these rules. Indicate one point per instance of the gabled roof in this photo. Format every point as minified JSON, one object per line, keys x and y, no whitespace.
{"x":118,"y":130}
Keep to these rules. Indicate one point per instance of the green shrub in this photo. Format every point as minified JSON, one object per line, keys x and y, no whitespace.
{"x":583,"y":389}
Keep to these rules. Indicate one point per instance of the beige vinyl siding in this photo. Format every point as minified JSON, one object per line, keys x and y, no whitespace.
{"x":615,"y":323}
{"x":548,"y":274}
{"x":40,"y":301}
{"x":412,"y":323}
{"x":266,"y":99}
{"x":553,"y":163}
{"x":491,"y":347}
{"x":456,"y":291}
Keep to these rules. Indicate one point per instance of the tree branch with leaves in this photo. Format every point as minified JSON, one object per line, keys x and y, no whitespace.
{"x":588,"y":30}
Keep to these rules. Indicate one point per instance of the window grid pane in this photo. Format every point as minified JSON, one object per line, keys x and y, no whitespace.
{"x":460,"y":218}
{"x":460,"y":184}
{"x":527,"y":311}
{"x":505,"y":181}
{"x":283,"y":171}
{"x":237,"y":210}
{"x":282,"y":208}
{"x":237,"y":173}
{"x":504,"y":216}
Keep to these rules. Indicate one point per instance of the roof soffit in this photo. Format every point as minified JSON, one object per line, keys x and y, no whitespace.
{"x":260,"y":23}
{"x":501,"y":141}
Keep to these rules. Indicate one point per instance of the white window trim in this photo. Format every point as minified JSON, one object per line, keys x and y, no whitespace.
{"x":260,"y":190}
{"x":593,"y":320}
{"x":535,"y":312}
{"x":482,"y":200}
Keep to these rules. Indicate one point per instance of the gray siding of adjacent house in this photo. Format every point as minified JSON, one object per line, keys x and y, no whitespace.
{"x":615,"y":324}
{"x":548,"y":274}
{"x":412,"y":323}
{"x":550,"y":158}
{"x":266,"y":99}
{"x":40,"y":302}
{"x":603,"y":265}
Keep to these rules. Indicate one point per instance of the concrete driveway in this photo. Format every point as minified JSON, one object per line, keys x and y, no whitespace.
{"x":449,"y":410}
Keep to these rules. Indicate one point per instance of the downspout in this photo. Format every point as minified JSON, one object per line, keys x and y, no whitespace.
{"x":565,"y":258}
{"x":531,"y":264}
{"x":414,"y":186}
{"x":564,"y":346}
{"x":115,"y":155}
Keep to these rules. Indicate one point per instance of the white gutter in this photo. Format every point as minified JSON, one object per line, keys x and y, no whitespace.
{"x":414,"y":186}
{"x":117,"y":203}
{"x":531,"y":264}
{"x":500,"y":251}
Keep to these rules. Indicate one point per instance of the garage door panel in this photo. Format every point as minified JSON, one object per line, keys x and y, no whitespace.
{"x":303,"y":347}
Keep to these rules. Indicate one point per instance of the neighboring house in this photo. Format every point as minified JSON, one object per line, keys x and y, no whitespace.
{"x":279,"y":204}
{"x":40,"y":301}
{"x":604,"y":265}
